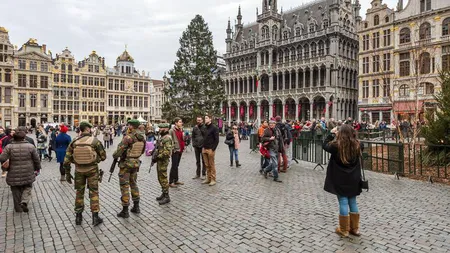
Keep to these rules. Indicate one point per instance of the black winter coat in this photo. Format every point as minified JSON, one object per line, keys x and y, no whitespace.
{"x":198,"y":135}
{"x":342,"y":179}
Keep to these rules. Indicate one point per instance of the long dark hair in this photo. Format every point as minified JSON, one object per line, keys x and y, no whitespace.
{"x":348,"y":146}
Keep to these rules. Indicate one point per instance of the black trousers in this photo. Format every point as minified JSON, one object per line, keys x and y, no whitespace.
{"x":176,"y":158}
{"x":61,"y":169}
{"x":106,"y":144}
{"x":198,"y":156}
{"x":50,"y":151}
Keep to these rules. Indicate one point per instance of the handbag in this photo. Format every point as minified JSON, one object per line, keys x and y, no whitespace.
{"x":364,"y":183}
{"x":229,"y":142}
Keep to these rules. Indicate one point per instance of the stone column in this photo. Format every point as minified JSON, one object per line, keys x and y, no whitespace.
{"x":270,"y":59}
{"x":311,"y":76}
{"x":271,"y":82}
{"x":304,"y":79}
{"x":247,"y":112}
{"x":297,"y":73}
{"x":258,"y":59}
{"x":258,"y":111}
{"x":319,"y":84}
{"x":284,"y":81}
{"x":327,"y":76}
{"x":327,"y":107}
{"x":229,"y":114}
{"x":311,"y":110}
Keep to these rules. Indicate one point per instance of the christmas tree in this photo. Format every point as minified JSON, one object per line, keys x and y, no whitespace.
{"x":195,"y":87}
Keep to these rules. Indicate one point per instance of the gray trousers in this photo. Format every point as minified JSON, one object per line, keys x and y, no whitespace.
{"x":21,"y":194}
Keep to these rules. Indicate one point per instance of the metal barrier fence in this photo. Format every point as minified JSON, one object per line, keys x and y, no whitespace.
{"x":308,"y":147}
{"x":419,"y":161}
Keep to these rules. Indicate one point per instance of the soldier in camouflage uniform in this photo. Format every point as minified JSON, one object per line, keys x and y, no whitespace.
{"x":85,"y":152}
{"x":129,"y":150}
{"x":165,"y":147}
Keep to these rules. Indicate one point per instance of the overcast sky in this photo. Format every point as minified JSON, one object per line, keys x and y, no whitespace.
{"x":150,"y":28}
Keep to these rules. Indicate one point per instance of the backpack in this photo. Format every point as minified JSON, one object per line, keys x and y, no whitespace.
{"x":1,"y":143}
{"x":83,"y":152}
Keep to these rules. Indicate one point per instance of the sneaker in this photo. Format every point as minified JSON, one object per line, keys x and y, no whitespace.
{"x":277,"y":180}
{"x":4,"y":173}
{"x":212,"y":183}
{"x":206,"y":181}
{"x":196,"y":177}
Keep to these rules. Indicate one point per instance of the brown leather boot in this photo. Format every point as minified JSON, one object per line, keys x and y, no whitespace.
{"x":344,"y":226}
{"x":354,"y":224}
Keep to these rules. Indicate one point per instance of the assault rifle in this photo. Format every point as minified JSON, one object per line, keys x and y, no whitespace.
{"x":113,"y":166}
{"x":155,"y":153}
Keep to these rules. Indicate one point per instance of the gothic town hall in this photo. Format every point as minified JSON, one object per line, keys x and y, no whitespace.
{"x":298,"y":64}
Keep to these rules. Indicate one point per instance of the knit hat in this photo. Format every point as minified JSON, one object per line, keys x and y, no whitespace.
{"x":278,"y":118}
{"x":63,"y":129}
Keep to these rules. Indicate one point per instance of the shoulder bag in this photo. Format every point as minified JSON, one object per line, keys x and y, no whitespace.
{"x":364,"y":183}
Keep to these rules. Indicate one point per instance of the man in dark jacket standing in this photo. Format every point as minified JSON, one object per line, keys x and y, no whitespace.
{"x":284,"y":142}
{"x":198,"y":133}
{"x":210,"y":143}
{"x":272,"y":141}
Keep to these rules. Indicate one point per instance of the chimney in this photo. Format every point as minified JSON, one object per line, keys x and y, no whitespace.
{"x":44,"y":47}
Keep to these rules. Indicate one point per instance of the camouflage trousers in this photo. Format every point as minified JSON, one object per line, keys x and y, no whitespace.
{"x":161,"y":167}
{"x":91,"y":179}
{"x":128,"y":180}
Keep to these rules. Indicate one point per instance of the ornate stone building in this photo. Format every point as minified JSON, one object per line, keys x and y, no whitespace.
{"x":93,"y":89}
{"x":376,"y":63}
{"x":33,"y":84}
{"x":401,"y":55}
{"x":421,"y":51}
{"x":6,"y":79}
{"x":158,"y":99}
{"x":128,"y":92}
{"x":298,"y":64}
{"x":66,"y":88}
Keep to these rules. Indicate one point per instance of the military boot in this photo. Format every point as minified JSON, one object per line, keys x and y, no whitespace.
{"x":124,"y":213}
{"x":79,"y":219}
{"x":231,"y":163}
{"x":160,"y":197}
{"x":165,"y":200}
{"x":135,"y":208}
{"x":96,"y":220}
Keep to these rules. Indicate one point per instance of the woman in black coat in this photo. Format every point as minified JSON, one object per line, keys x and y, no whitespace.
{"x":344,"y":176}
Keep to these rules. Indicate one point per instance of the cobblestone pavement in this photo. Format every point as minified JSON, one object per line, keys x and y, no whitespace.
{"x":243,"y":213}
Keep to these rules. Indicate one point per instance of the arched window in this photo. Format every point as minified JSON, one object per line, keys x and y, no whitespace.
{"x":425,"y":63}
{"x":285,"y":35}
{"x":386,"y":19}
{"x":69,"y":68}
{"x":403,"y":90}
{"x":405,"y":35}
{"x":376,"y":20}
{"x":425,"y":31}
{"x":63,"y":67}
{"x":297,"y":31}
{"x":446,"y":27}
{"x":306,"y":51}
{"x":274,"y":32}
{"x":312,"y":27}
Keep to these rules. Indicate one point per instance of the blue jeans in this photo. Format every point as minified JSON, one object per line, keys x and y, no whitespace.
{"x":273,"y":164}
{"x":345,"y":203}
{"x":233,"y":151}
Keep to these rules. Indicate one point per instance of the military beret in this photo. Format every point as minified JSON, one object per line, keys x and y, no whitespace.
{"x":85,"y":124}
{"x":164,"y":125}
{"x":134,"y":122}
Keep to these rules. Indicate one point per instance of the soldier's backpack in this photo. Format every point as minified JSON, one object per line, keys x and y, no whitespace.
{"x":83,"y":152}
{"x":136,"y":150}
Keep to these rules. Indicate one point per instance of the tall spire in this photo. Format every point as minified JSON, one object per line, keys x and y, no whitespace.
{"x":239,"y":16}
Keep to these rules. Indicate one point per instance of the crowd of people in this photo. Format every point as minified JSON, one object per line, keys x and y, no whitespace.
{"x":168,"y":143}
